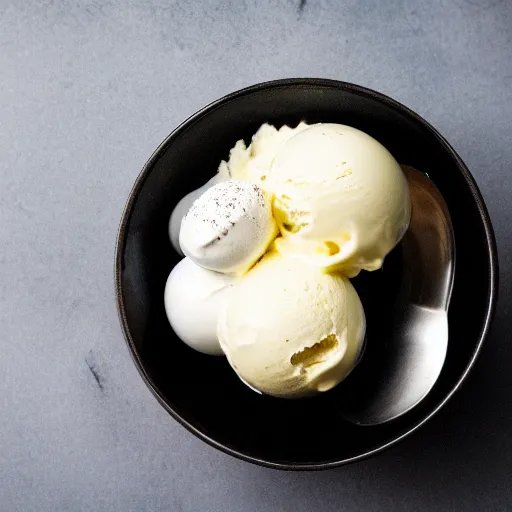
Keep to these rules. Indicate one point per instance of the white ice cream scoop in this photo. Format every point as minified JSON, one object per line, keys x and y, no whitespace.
{"x":183,"y":206}
{"x":229,"y":227}
{"x":193,"y":298}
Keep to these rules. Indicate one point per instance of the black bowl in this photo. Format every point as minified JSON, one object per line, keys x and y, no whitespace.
{"x":202,"y":392}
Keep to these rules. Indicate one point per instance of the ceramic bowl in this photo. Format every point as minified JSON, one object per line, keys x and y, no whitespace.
{"x":202,"y":392}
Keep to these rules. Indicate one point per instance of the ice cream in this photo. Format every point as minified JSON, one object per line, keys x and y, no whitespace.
{"x":183,"y":206}
{"x":250,"y":163}
{"x":253,"y":163}
{"x":290,"y":329}
{"x":193,"y":298}
{"x":283,"y":309}
{"x":341,"y":199}
{"x":229,"y":227}
{"x":181,"y":209}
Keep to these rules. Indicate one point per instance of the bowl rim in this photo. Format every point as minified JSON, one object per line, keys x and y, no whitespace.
{"x":305,"y":83}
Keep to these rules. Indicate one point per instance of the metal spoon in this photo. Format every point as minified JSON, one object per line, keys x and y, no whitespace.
{"x":408,"y":364}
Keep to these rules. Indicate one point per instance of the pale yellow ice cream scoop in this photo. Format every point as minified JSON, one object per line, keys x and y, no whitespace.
{"x":288,"y":329}
{"x":253,"y":163}
{"x":341,"y":199}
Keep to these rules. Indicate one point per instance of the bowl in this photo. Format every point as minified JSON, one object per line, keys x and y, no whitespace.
{"x":202,"y":392}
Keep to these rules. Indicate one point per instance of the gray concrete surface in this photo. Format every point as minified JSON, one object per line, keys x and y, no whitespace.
{"x":88,"y":88}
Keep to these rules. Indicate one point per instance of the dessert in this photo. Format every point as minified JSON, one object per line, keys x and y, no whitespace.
{"x":183,"y":206}
{"x":271,"y":242}
{"x":253,"y":163}
{"x":247,"y":163}
{"x":341,"y":199}
{"x":181,"y":209}
{"x":193,"y":298}
{"x":290,"y":329}
{"x":229,"y":227}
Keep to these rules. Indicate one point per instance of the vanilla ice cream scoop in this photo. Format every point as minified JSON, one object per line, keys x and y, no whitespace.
{"x":289,"y":329}
{"x":253,"y":163}
{"x":193,"y":298}
{"x":229,"y":227}
{"x":340,"y":198}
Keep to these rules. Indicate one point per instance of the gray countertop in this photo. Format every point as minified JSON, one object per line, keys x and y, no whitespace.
{"x":88,"y":88}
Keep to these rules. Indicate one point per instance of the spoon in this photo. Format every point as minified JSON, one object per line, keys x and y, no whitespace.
{"x":405,"y":367}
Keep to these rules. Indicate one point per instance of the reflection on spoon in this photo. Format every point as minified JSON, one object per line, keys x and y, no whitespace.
{"x":408,"y":363}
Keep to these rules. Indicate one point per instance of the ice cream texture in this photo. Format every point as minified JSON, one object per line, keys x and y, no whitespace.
{"x":289,"y":329}
{"x":341,"y":200}
{"x":290,"y":324}
{"x":248,"y":163}
{"x":183,"y":206}
{"x":193,"y":298}
{"x":253,"y":162}
{"x":229,"y":227}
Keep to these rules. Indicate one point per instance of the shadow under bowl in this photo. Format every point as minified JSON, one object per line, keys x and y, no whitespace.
{"x":202,"y":392}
